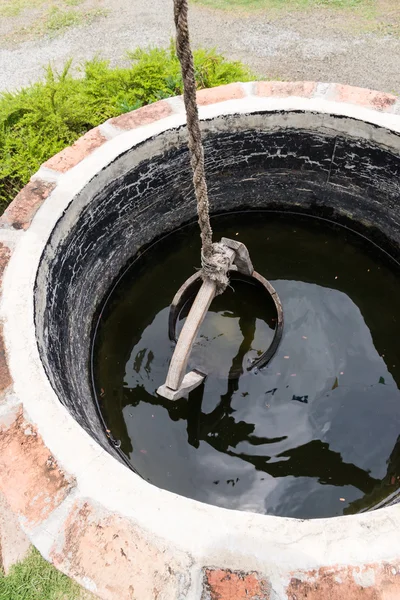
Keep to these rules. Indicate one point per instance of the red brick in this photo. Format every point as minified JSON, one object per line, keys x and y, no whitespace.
{"x":71,"y":156}
{"x":346,"y":583}
{"x":20,"y":212}
{"x":14,"y":545}
{"x":117,"y":556}
{"x":143,"y":116}
{"x":31,"y":480}
{"x":363,"y":97}
{"x":223,"y":584}
{"x":5,"y":376}
{"x":231,"y":91}
{"x":5,"y":255}
{"x":282,"y":89}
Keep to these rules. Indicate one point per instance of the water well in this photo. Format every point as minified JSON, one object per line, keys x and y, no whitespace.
{"x":86,"y":469}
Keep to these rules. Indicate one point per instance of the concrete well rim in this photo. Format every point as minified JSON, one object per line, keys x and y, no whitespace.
{"x":203,"y":529}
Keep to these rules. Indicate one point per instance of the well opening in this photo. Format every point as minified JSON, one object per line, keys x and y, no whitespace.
{"x":337,"y":169}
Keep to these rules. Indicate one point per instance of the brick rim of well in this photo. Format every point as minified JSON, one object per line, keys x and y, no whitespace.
{"x":298,"y":549}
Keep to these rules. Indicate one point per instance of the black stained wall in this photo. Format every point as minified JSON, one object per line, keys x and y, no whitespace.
{"x":135,"y":200}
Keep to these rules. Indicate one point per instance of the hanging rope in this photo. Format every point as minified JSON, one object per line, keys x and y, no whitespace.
{"x":214,"y":260}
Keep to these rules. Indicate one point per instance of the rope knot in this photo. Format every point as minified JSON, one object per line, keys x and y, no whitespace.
{"x":215,"y":266}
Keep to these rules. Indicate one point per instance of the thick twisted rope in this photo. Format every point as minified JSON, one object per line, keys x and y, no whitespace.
{"x":214,"y":261}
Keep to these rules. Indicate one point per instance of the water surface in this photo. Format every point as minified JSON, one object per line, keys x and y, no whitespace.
{"x":315,"y":433}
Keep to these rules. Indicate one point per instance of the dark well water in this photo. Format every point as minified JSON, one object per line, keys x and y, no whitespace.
{"x":316,"y":432}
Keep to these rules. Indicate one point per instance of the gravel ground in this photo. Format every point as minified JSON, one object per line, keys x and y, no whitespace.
{"x":309,"y":46}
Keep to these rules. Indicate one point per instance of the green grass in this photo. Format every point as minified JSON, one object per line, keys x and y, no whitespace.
{"x":284,"y":4}
{"x":352,"y":17}
{"x":48,"y":17}
{"x":42,"y":119}
{"x":36,"y":579}
{"x":57,"y":19}
{"x":12,"y":8}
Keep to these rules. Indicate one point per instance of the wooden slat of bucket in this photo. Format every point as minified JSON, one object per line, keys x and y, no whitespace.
{"x":188,"y":334}
{"x":190,"y":382}
{"x":176,"y":384}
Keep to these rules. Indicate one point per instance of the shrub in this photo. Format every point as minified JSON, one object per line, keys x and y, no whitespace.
{"x":38,"y":121}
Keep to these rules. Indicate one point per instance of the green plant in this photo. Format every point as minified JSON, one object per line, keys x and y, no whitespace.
{"x":35,"y":579}
{"x":40,"y":120}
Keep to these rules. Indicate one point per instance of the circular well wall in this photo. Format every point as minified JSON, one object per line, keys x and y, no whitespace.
{"x":81,"y":507}
{"x":288,"y":161}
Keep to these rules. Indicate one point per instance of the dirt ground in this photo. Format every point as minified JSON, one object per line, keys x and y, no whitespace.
{"x":350,"y":47}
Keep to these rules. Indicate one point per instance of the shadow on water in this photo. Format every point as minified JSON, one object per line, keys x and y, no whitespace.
{"x":324,"y":415}
{"x":297,"y":462}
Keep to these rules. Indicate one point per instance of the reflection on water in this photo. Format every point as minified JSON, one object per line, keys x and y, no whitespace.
{"x":316,"y":432}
